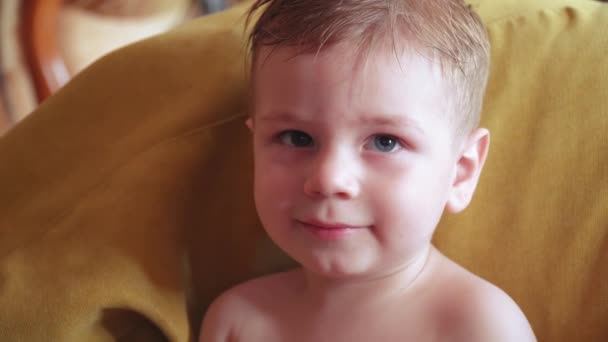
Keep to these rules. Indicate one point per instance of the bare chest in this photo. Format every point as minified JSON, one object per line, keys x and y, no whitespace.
{"x":383,"y":326}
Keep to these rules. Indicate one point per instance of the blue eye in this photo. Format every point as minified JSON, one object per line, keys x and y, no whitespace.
{"x":385,"y":143}
{"x":295,"y":138}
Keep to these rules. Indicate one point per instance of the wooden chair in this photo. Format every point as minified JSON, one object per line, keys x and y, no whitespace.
{"x":39,"y":36}
{"x":38,"y":29}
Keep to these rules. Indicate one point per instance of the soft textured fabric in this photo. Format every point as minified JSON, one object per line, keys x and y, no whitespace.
{"x":126,"y":204}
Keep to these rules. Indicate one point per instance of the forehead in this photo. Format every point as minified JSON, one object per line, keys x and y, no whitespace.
{"x":339,"y":80}
{"x":348,"y":59}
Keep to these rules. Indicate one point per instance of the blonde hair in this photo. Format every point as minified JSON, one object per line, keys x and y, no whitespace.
{"x":446,"y":31}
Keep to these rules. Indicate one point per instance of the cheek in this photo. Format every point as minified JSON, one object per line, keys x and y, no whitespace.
{"x":409,"y":198}
{"x":275,"y":189}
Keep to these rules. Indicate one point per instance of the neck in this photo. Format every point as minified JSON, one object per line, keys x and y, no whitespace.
{"x":327,"y":293}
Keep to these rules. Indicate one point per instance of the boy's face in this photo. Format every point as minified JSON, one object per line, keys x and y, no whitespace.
{"x":353,"y":166}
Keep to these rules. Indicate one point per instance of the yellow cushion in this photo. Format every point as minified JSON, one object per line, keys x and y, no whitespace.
{"x":538,"y":225}
{"x":126,"y":205}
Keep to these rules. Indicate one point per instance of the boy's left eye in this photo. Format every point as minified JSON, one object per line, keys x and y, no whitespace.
{"x":384,"y":143}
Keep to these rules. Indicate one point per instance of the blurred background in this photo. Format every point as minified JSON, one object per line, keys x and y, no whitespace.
{"x":43,"y":43}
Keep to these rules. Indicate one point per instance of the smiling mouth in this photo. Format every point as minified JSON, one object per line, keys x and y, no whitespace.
{"x":329,"y":231}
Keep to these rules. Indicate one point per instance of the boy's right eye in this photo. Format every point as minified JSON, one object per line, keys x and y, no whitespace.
{"x":295,"y":138}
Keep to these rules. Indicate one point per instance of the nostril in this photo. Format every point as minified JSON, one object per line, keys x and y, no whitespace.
{"x":339,"y":187}
{"x":329,"y":175}
{"x":312,"y":188}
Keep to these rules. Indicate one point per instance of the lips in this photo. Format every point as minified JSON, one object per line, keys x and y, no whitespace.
{"x":330,"y":231}
{"x":323,"y":225}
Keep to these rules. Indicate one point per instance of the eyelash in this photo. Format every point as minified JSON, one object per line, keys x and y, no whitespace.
{"x":281,"y":137}
{"x":397,"y":142}
{"x":308,"y":141}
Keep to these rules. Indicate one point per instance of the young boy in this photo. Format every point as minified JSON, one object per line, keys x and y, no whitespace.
{"x":364,"y":120}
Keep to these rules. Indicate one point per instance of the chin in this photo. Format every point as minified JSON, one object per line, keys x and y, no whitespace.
{"x":334,"y":268}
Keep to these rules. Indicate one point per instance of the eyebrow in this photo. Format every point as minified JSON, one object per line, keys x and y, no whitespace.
{"x":393,"y":121}
{"x":278,"y":116}
{"x":369,"y":120}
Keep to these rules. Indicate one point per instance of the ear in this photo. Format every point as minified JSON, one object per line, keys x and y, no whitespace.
{"x":468,"y":168}
{"x":249,"y":123}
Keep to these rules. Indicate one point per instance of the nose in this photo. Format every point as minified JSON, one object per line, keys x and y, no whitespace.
{"x":332,"y":174}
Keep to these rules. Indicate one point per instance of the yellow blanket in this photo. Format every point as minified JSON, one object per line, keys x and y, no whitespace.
{"x":126,"y":206}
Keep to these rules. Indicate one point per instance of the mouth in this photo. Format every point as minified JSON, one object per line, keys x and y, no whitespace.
{"x":329,"y":231}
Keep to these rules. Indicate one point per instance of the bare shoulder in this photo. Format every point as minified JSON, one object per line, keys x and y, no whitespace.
{"x":480,"y":311}
{"x":494,"y":316}
{"x":246,"y":308}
